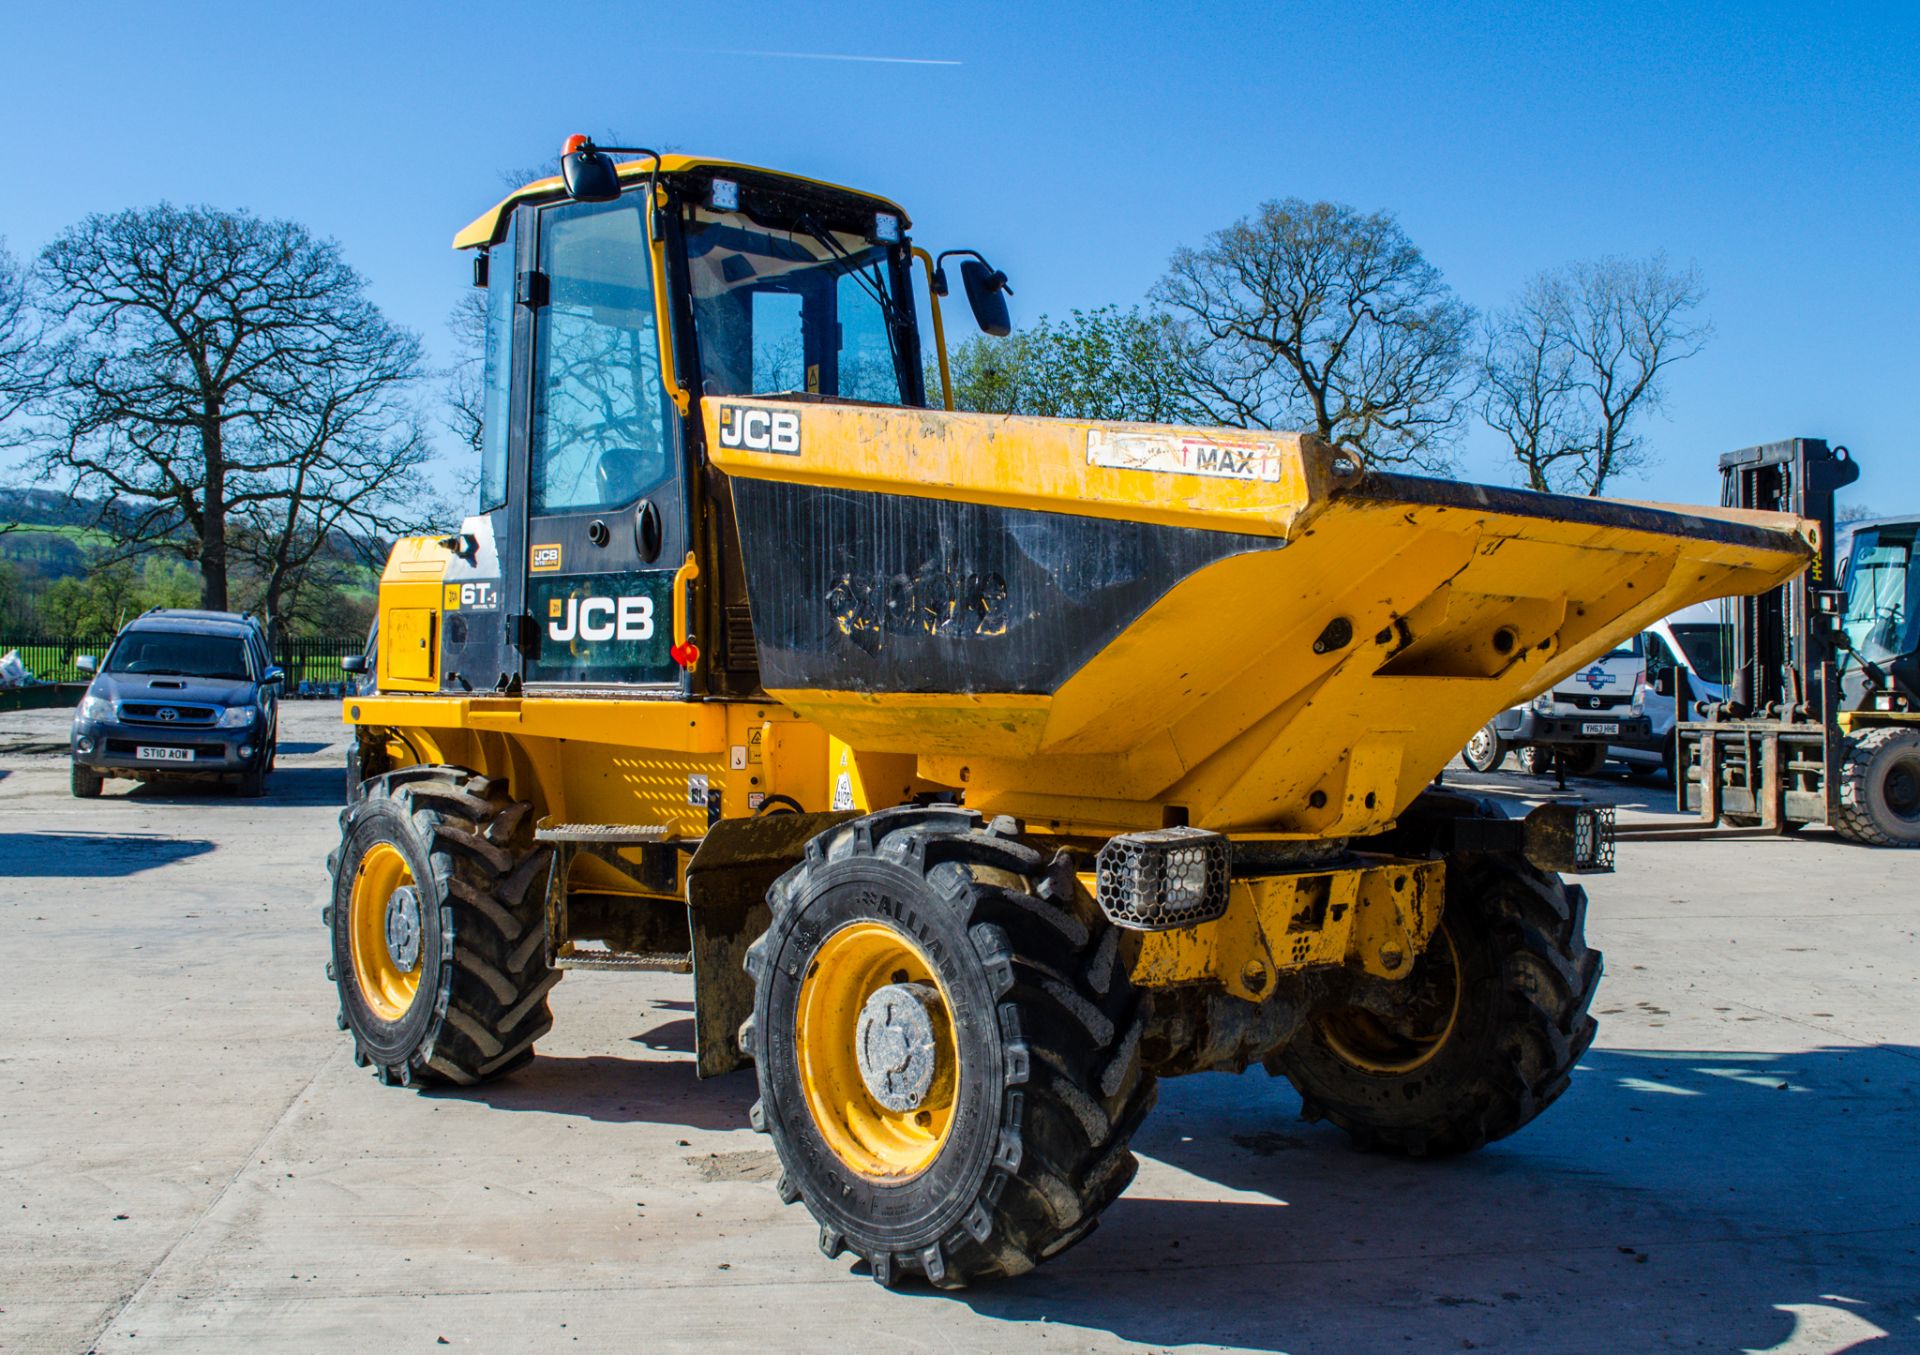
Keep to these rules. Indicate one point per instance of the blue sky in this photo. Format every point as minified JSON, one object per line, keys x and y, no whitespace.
{"x":1775,"y":146}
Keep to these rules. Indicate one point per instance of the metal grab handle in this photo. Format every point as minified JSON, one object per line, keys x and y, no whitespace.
{"x":684,"y":651}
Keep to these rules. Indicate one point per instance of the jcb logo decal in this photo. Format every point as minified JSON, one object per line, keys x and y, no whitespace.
{"x":544,"y":559}
{"x":760,"y":430}
{"x":627,"y":618}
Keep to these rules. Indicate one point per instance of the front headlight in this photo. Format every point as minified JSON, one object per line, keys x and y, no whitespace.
{"x":1640,"y":699}
{"x":95,"y":708}
{"x":236,"y":717}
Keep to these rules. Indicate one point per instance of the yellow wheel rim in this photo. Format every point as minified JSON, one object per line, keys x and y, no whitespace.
{"x":388,"y":988}
{"x":845,"y":980}
{"x":1376,"y":1044}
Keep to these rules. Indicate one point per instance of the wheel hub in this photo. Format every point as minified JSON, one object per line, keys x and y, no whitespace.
{"x":403,"y":928}
{"x":894,"y":1042}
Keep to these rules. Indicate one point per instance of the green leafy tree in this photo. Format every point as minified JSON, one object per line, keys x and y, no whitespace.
{"x":1105,"y":363}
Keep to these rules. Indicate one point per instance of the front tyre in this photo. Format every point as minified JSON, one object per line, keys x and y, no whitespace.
{"x":1479,"y":1039}
{"x":947,"y":1047}
{"x":1485,"y":751}
{"x":438,"y":924}
{"x":1880,"y":787}
{"x":85,"y":783}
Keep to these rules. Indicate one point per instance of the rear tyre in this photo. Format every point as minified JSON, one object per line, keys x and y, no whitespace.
{"x":439,"y":927}
{"x":1535,"y":760}
{"x":1586,"y":759}
{"x":86,"y":783}
{"x":1485,"y":751}
{"x":947,"y":1046}
{"x":1880,"y":787}
{"x":1479,"y":1039}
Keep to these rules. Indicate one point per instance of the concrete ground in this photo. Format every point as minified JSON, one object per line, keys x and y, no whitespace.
{"x":190,"y":1161}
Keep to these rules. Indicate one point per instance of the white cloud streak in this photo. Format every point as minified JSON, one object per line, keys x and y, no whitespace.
{"x":834,"y":56}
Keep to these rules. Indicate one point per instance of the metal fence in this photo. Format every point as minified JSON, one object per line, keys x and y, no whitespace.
{"x":312,"y":665}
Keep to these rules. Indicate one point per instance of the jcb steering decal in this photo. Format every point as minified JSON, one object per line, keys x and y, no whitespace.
{"x":544,"y":559}
{"x":760,"y":430}
{"x":471,"y":597}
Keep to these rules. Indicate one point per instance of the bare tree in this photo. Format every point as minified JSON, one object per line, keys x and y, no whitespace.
{"x":466,"y":395}
{"x":211,"y":365}
{"x":1528,"y":391}
{"x":23,"y":360}
{"x":1573,"y":365}
{"x":348,"y":472}
{"x":1317,"y":316}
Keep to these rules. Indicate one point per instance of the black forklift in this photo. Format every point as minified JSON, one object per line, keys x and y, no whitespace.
{"x":1820,"y":721}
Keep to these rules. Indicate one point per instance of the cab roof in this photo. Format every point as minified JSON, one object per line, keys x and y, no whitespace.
{"x":491,"y":224}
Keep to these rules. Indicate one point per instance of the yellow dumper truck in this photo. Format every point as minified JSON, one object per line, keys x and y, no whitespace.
{"x":981,"y":770}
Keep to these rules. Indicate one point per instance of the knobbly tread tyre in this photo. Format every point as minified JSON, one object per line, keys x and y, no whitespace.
{"x":1864,"y":817}
{"x":484,"y":987}
{"x":1058,"y":1052}
{"x":1529,"y":980}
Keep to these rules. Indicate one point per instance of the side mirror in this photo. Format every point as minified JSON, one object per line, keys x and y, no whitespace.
{"x":987,"y":293}
{"x":86,"y":663}
{"x":354,"y":663}
{"x":588,"y":173}
{"x":1663,"y":682}
{"x":274,"y":676}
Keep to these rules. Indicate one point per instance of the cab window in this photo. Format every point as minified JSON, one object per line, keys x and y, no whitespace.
{"x":496,"y":377}
{"x":600,"y":421}
{"x":797,"y":307}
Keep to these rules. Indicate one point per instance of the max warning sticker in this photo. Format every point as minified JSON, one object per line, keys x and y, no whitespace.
{"x":1183,"y":454}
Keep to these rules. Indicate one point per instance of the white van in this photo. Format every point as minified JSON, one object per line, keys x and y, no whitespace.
{"x":1695,"y":643}
{"x":1613,"y":708}
{"x":1579,"y":720}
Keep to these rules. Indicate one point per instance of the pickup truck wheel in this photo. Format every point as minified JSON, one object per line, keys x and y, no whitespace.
{"x":1485,"y":751}
{"x":439,"y":927}
{"x":86,"y":783}
{"x":947,"y":1047}
{"x":1587,"y":759}
{"x":252,"y":783}
{"x":1880,"y":787}
{"x":1479,"y":1039}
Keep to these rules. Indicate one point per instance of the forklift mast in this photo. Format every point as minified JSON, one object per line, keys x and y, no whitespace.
{"x":1780,"y":649}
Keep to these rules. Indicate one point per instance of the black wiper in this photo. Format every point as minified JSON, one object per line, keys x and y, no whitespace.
{"x":875,"y":289}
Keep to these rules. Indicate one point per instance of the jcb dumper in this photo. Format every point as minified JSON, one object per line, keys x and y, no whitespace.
{"x":981,"y":770}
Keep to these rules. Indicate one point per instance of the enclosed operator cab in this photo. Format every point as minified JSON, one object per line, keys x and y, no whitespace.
{"x":609,"y":324}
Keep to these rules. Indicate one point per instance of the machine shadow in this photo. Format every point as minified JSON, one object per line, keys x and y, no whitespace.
{"x":1669,"y":1200}
{"x":618,"y":1091}
{"x":92,"y":855}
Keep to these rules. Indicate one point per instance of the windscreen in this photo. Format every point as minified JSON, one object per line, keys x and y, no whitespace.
{"x":795,"y":308}
{"x":176,"y":654}
{"x":1708,"y":646}
{"x":1883,"y":611}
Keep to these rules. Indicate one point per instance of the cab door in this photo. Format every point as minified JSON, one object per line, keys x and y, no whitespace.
{"x":605,"y":487}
